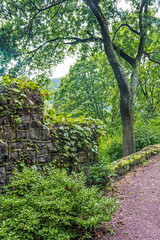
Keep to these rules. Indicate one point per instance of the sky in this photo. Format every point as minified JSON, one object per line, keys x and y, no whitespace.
{"x":63,"y":68}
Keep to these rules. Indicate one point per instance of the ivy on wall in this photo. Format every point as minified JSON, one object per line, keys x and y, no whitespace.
{"x":70,"y":143}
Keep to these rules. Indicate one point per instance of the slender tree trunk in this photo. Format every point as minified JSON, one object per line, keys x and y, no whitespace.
{"x":127,"y":124}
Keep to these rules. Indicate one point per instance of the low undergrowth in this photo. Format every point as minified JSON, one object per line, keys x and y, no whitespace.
{"x":51,"y":205}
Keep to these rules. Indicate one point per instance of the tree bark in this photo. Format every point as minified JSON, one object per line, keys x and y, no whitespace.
{"x":126,"y":103}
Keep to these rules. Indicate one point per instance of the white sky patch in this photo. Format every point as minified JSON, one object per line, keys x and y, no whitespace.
{"x":62,"y":69}
{"x":124,"y":5}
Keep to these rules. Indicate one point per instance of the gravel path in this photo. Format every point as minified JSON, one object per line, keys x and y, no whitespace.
{"x":138,"y":217}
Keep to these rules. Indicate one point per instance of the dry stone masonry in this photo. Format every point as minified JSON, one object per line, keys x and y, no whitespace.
{"x":25,"y":140}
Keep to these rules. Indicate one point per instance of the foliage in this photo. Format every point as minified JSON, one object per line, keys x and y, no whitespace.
{"x":19,"y":93}
{"x":51,"y":205}
{"x":41,"y":45}
{"x":127,"y":163}
{"x":24,"y":84}
{"x":9,"y":49}
{"x":87,"y":90}
{"x":20,"y":83}
{"x":147,"y":133}
{"x":99,"y":174}
{"x":71,"y":134}
{"x":148,"y":92}
{"x":111,"y":146}
{"x":125,"y":36}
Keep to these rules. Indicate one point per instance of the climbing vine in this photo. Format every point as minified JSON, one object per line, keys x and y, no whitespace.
{"x":72,"y":137}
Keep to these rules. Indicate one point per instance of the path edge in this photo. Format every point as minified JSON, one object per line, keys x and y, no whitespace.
{"x":128,"y":163}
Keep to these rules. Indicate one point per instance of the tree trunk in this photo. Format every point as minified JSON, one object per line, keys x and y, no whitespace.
{"x":126,"y":103}
{"x":126,"y":90}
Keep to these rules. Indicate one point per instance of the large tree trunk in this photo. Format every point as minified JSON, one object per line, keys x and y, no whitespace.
{"x":126,"y":110}
{"x":127,"y":90}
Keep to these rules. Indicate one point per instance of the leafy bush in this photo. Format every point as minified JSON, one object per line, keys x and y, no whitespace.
{"x":99,"y":174}
{"x":51,"y":205}
{"x":111,"y":147}
{"x":147,"y":133}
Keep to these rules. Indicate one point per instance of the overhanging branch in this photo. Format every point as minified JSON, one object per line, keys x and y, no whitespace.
{"x":81,"y":40}
{"x":73,"y":40}
{"x":149,"y":57}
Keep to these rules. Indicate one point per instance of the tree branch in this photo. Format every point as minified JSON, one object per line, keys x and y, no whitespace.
{"x":76,"y":41}
{"x":108,"y":47}
{"x":124,"y":55}
{"x":149,"y":57}
{"x":42,"y":45}
{"x":126,"y":25}
{"x":46,"y":8}
{"x":82,"y":40}
{"x":141,"y":28}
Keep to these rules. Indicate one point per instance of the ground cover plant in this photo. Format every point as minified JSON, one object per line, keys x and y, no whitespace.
{"x":51,"y":205}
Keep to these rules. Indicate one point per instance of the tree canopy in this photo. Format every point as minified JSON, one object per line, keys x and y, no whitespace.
{"x":45,"y":31}
{"x":41,"y":33}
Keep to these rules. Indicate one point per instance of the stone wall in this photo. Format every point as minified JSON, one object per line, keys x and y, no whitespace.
{"x":25,"y":140}
{"x":128,"y":163}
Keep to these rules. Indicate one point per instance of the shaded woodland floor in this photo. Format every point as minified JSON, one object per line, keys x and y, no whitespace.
{"x":138,"y":217}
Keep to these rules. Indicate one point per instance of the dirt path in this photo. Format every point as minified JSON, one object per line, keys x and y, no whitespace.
{"x":138,"y":217}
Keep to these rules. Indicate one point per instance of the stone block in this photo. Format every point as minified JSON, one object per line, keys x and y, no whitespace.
{"x":18,"y":145}
{"x":2,"y":175}
{"x":51,"y":147}
{"x":6,"y":135}
{"x":45,"y":134}
{"x":45,"y":159}
{"x":13,"y":156}
{"x":29,"y":157}
{"x":3,"y":152}
{"x":41,"y":144}
{"x":26,"y":119}
{"x":37,"y":117}
{"x":22,"y":134}
{"x":10,"y":167}
{"x":3,"y":120}
{"x":34,"y":134}
{"x":9,"y":175}
{"x":35,"y":124}
{"x":41,"y":152}
{"x":24,"y":126}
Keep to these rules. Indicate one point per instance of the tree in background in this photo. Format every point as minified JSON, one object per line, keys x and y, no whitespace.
{"x":148,"y":92}
{"x":47,"y":30}
{"x":88,"y":90}
{"x":8,"y":48}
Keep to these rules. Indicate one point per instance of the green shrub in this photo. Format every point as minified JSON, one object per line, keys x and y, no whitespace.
{"x":147,"y":133}
{"x":99,"y":174}
{"x":51,"y":205}
{"x":111,"y":147}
